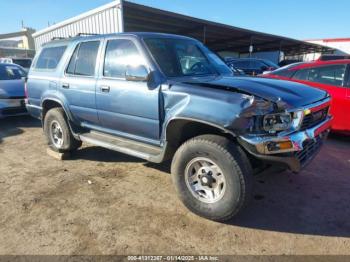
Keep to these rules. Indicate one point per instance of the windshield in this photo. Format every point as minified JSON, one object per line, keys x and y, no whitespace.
{"x":182,"y":57}
{"x":11,"y":72}
{"x":288,"y":66}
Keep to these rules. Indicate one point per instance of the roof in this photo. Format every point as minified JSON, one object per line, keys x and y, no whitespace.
{"x":319,"y":63}
{"x":60,"y":41}
{"x":217,"y":36}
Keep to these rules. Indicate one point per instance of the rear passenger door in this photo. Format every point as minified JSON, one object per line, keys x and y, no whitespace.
{"x":78,"y":82}
{"x":126,"y":108}
{"x":44,"y":74}
{"x":332,"y":79}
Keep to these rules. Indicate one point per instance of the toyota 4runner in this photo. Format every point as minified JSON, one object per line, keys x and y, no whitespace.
{"x":165,"y":97}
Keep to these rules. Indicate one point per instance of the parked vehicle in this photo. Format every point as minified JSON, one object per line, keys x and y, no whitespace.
{"x":4,"y":60}
{"x":331,"y":76}
{"x":160,"y":97}
{"x":288,"y":62}
{"x":237,"y":72}
{"x":252,"y":66}
{"x":12,"y":90}
{"x":25,"y":63}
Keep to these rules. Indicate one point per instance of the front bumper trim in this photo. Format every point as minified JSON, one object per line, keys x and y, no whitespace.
{"x":259,"y":144}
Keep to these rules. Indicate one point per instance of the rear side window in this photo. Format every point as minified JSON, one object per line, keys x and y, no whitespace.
{"x":120,"y":53}
{"x":50,"y":57}
{"x":328,"y":75}
{"x":83,"y":60}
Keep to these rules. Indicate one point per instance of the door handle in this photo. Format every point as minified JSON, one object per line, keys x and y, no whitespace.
{"x":105,"y":89}
{"x":65,"y":85}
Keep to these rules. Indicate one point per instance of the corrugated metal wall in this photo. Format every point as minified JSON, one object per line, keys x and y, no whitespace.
{"x":99,"y":21}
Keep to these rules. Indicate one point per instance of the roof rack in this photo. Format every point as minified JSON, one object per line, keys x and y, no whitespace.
{"x":86,"y":34}
{"x":57,"y":38}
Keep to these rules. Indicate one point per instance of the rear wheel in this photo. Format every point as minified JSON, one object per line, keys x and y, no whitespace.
{"x":212,"y":176}
{"x":57,"y":131}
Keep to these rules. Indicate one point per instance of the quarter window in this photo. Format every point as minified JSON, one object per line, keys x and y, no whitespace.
{"x":120,"y":53}
{"x":83,"y":60}
{"x":50,"y":57}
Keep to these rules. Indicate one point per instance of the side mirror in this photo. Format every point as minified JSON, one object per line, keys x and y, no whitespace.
{"x":136,"y":73}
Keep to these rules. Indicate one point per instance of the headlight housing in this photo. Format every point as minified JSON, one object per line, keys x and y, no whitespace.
{"x":277,"y":122}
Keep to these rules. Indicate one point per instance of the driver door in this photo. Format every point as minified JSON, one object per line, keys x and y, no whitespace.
{"x":126,"y":108}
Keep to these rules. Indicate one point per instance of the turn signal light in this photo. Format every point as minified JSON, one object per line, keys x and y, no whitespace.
{"x":307,"y":111}
{"x":276,"y":146}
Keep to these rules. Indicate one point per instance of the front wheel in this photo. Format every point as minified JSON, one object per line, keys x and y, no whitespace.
{"x":212,"y":176}
{"x":57,"y":131}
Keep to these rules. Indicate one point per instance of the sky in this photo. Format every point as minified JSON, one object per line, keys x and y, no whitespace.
{"x":300,"y":19}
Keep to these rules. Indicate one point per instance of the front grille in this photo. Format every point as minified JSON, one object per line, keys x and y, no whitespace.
{"x":13,"y":111}
{"x":310,"y":148}
{"x":314,"y":118}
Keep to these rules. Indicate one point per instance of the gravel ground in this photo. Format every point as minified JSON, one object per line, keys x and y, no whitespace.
{"x":103,"y":202}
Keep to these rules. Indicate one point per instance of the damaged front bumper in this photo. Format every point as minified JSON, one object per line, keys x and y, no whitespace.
{"x":301,"y":147}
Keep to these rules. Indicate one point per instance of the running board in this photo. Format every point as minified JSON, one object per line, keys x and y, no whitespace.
{"x":123,"y":145}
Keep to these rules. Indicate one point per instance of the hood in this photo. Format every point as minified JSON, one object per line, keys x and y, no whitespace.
{"x":11,"y":88}
{"x":283,"y":93}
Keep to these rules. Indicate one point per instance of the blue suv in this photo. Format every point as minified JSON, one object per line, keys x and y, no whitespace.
{"x":165,"y":97}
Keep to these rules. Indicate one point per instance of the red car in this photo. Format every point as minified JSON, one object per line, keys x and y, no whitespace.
{"x":332,"y":76}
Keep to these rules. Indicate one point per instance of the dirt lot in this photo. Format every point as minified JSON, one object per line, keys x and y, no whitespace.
{"x":49,"y":207}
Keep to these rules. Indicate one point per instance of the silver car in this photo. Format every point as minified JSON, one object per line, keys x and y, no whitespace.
{"x":12,"y":93}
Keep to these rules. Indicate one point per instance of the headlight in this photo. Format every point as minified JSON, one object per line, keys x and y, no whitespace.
{"x":297,"y":119}
{"x":277,"y":122}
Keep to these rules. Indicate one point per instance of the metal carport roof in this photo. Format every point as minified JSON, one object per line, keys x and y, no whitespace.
{"x":217,"y":36}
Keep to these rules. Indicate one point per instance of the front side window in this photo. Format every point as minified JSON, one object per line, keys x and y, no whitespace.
{"x":83,"y":60}
{"x":301,"y":74}
{"x":50,"y":57}
{"x":286,"y":71}
{"x":182,"y":57}
{"x":121,"y":53}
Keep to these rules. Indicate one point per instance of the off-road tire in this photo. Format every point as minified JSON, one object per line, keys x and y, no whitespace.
{"x":234,"y":164}
{"x":69,"y":142}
